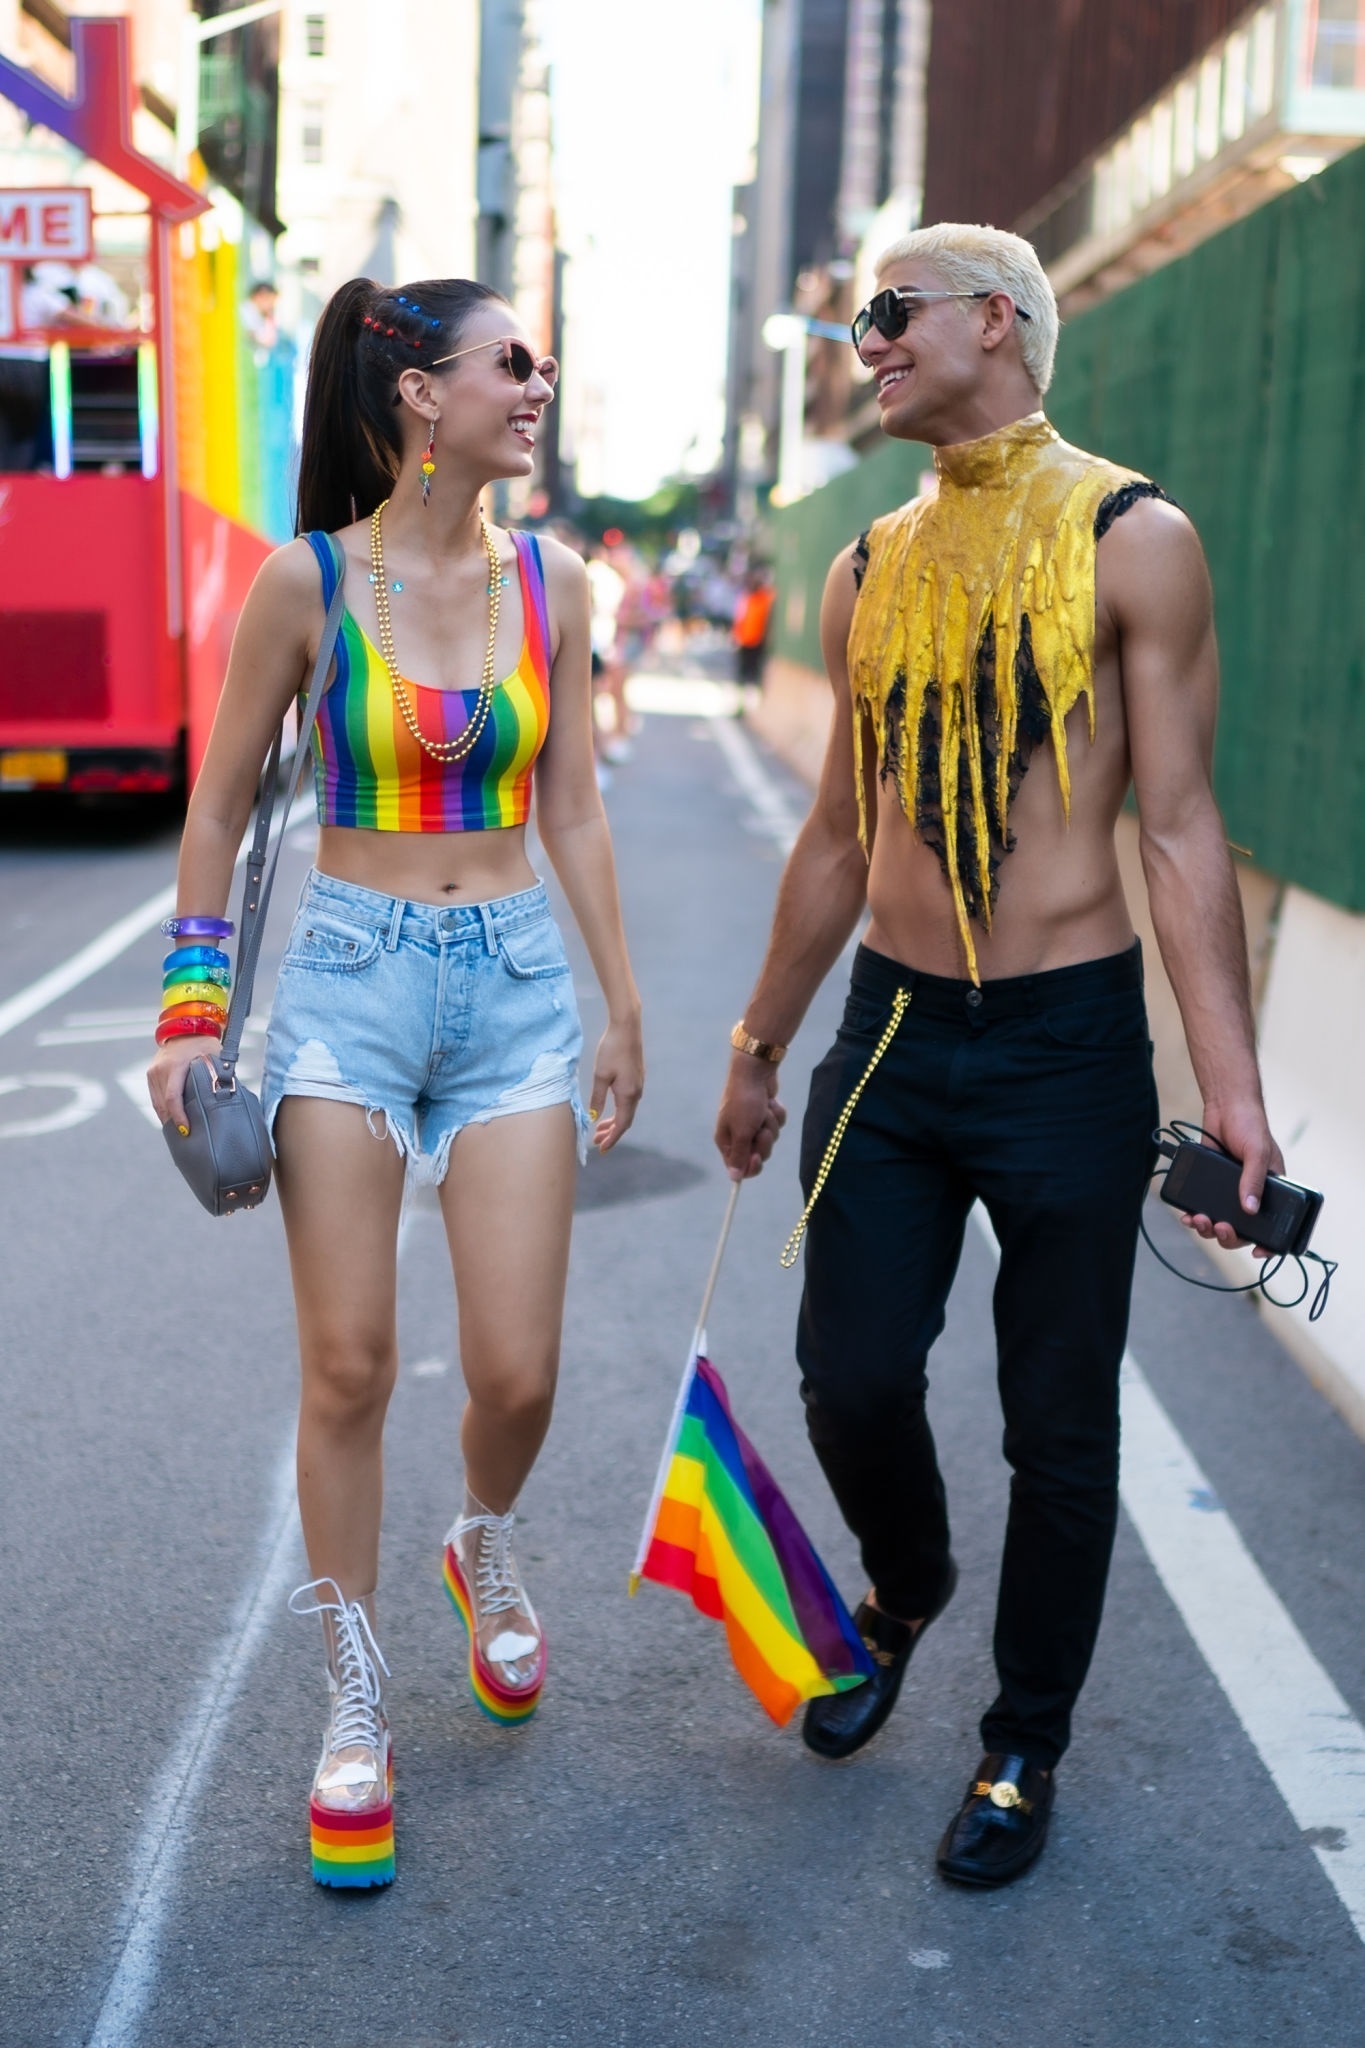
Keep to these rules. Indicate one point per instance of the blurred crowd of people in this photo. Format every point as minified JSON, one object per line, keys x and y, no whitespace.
{"x":690,"y":601}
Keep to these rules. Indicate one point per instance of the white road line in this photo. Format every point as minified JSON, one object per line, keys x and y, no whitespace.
{"x":773,"y":816}
{"x":100,"y":951}
{"x":112,"y":1034}
{"x":1300,"y":1726}
{"x":119,"y":936}
{"x":1302,"y":1729}
{"x":133,"y":1081}
{"x":91,"y":1020}
{"x":1295,"y":1719}
{"x":682,"y":696}
{"x":87,"y":1100}
{"x":166,"y":1831}
{"x":99,"y":1034}
{"x":169,"y":1814}
{"x":756,"y":785}
{"x":170,"y":1807}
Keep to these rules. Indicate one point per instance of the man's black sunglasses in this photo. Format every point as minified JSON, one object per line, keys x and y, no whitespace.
{"x":892,"y":310}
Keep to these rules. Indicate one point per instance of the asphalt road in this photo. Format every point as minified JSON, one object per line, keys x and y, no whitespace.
{"x":649,"y":1863}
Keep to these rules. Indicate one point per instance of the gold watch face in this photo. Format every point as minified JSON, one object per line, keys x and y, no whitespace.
{"x":1004,"y":1794}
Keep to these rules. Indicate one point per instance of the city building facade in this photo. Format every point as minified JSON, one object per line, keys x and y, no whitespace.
{"x":840,"y":148}
{"x":1125,"y":136}
{"x":1115,"y":139}
{"x":375,"y":178}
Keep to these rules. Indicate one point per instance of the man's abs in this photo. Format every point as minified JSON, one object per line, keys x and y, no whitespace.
{"x":1060,"y":895}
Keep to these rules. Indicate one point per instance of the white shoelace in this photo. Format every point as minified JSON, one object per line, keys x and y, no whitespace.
{"x":359,"y":1660}
{"x":495,"y":1575}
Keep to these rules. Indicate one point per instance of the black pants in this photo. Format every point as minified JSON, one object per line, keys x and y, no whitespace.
{"x":1036,"y":1096}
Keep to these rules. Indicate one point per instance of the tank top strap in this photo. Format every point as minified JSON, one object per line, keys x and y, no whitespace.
{"x":533,"y":602}
{"x":327,"y":551}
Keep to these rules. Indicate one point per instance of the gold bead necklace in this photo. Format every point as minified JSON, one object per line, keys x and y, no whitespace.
{"x":464,"y":743}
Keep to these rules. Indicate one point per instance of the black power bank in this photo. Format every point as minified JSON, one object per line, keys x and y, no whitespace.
{"x":1203,"y":1181}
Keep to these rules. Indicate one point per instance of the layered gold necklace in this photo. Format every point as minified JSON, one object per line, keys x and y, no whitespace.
{"x":464,"y":743}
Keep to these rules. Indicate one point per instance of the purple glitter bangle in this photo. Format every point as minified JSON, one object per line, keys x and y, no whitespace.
{"x":198,"y":928}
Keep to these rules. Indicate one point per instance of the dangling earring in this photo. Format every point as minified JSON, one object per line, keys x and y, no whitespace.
{"x":429,"y":464}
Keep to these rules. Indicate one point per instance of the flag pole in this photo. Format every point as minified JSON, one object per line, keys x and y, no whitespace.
{"x":697,"y":1346}
{"x":699,"y":1334}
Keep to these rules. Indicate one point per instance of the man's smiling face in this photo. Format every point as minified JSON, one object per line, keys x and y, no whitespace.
{"x":936,"y":362}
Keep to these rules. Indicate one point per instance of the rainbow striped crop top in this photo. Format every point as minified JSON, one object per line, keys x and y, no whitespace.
{"x":369,"y":770}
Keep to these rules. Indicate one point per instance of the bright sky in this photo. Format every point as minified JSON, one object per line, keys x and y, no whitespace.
{"x":655,"y":109}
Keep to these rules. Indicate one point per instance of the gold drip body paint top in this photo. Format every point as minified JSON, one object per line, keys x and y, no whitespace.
{"x":974,"y":636}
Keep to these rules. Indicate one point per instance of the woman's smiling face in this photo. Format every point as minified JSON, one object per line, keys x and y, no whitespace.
{"x":488,"y":418}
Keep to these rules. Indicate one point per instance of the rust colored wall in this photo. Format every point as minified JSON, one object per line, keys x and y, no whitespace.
{"x":1020,"y":94}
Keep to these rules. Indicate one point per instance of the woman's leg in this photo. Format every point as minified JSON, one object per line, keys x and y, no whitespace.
{"x":508,"y":1207}
{"x":341,"y":1192}
{"x":508,"y":1203}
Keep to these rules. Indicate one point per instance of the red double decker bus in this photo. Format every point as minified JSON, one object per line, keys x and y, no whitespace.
{"x":128,"y":392}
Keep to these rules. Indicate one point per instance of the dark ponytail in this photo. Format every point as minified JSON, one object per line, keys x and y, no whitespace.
{"x":367,"y":336}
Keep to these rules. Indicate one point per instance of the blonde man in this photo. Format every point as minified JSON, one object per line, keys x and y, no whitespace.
{"x":1009,"y":653}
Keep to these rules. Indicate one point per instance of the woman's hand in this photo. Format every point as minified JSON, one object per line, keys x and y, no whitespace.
{"x":618,"y":1070}
{"x":166,"y":1076}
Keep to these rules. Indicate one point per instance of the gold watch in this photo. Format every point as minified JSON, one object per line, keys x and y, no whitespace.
{"x":757,"y":1048}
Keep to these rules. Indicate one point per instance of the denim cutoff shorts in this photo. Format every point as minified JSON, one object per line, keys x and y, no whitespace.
{"x":435,"y":1018}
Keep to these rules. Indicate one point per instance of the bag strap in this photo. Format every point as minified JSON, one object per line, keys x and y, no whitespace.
{"x":260,"y":877}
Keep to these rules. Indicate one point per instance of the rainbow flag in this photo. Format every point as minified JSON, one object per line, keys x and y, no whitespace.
{"x":719,"y":1530}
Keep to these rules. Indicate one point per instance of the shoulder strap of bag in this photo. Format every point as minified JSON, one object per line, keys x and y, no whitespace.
{"x":260,"y":877}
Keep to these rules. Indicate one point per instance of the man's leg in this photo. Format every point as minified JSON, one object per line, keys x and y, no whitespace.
{"x":1067,"y":1249}
{"x":883,"y":1245}
{"x":1061,"y":1312}
{"x":1061,"y":1149}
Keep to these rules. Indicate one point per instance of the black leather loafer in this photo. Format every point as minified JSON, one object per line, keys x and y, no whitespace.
{"x":838,"y":1723}
{"x":1001,"y":1826}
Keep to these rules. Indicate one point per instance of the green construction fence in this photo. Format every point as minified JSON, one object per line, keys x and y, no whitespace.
{"x":1236,"y":377}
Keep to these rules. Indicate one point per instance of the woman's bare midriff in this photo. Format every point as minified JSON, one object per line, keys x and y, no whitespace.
{"x":428,"y":867}
{"x":1060,"y":895}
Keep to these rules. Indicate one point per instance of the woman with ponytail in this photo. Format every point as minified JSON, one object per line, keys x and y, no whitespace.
{"x":424,"y":1026}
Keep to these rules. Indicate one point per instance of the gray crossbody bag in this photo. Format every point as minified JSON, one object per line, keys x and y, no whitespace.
{"x":227,"y":1157}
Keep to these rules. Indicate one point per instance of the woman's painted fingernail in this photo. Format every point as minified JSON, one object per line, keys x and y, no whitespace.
{"x":593,"y":1115}
{"x":183,"y":1129}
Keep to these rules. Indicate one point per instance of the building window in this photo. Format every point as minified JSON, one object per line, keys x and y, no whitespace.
{"x":315,"y":35}
{"x":1338,"y":47}
{"x":312,"y":135}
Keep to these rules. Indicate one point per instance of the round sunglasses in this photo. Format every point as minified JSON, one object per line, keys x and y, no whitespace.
{"x":519,"y":363}
{"x":892,"y":310}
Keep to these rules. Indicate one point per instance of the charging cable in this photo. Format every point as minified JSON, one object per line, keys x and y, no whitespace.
{"x":1168,"y":1139}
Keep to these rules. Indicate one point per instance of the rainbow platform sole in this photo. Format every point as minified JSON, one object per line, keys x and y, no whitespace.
{"x":352,"y":1850}
{"x":509,"y":1709}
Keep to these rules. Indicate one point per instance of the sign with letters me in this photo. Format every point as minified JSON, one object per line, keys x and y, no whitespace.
{"x":39,"y":224}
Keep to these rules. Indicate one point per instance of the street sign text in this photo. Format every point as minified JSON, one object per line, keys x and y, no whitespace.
{"x":45,"y":224}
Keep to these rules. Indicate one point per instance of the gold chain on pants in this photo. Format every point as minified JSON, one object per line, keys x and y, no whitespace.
{"x":900,"y":1004}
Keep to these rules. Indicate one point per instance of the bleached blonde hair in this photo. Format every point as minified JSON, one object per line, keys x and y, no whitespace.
{"x":974,"y":259}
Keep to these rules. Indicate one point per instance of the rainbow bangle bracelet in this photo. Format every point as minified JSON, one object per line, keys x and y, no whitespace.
{"x":206,"y":992}
{"x":198,"y":927}
{"x":185,"y":1027}
{"x":195,"y":956}
{"x":219,"y":977}
{"x":195,"y":1008}
{"x":197,"y":977}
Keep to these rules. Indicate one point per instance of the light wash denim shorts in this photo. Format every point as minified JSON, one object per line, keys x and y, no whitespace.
{"x":433,"y":1018}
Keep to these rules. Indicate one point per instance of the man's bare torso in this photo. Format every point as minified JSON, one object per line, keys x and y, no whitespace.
{"x":1061,"y":898}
